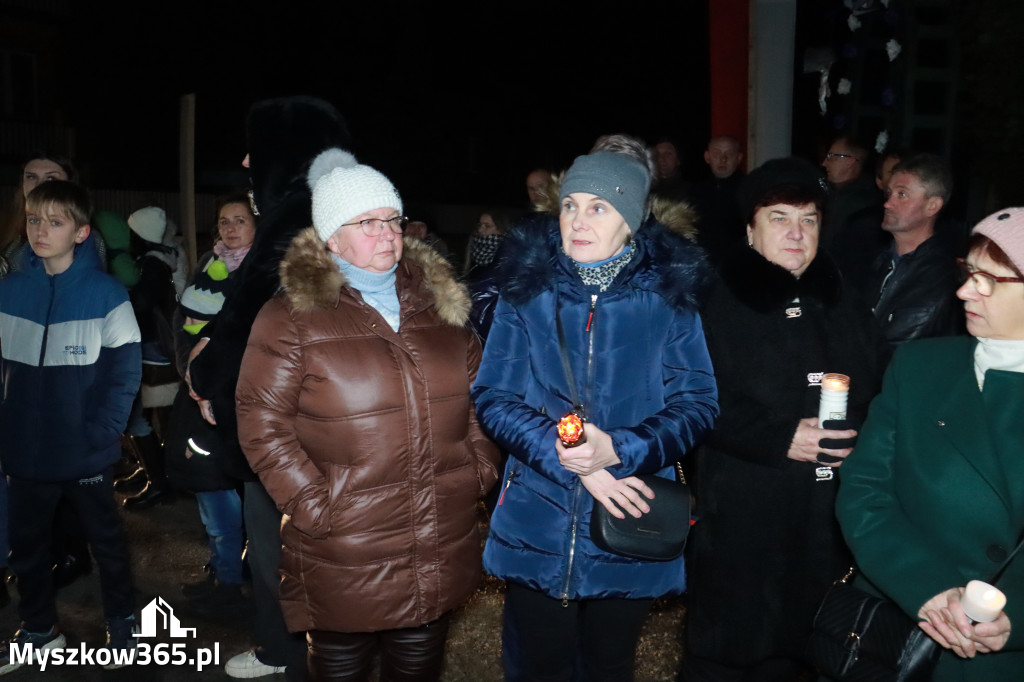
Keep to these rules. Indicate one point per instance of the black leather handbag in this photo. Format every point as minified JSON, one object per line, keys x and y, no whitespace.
{"x":659,"y":535}
{"x":858,"y":636}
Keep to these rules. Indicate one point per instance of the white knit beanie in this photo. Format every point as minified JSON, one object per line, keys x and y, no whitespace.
{"x":343,"y":189}
{"x":149,"y":223}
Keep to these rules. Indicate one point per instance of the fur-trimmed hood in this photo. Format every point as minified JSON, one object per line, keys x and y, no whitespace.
{"x":531,"y":260}
{"x":764,"y":286}
{"x":311,"y":279}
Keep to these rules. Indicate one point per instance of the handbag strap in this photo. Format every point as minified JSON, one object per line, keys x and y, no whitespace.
{"x":574,"y":395}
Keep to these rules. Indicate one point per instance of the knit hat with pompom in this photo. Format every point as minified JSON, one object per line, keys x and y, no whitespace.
{"x":343,"y":189}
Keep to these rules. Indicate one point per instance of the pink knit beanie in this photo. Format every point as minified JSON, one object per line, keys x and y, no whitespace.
{"x":1006,"y":229}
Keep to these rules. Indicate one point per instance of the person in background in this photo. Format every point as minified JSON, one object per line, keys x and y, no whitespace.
{"x":912,"y":283}
{"x":668,"y":181}
{"x":721,"y":228}
{"x":624,"y":290}
{"x":479,"y":270}
{"x":766,"y":545}
{"x":380,"y":469}
{"x":537,"y":182}
{"x":419,"y":229}
{"x":847,"y":165}
{"x":195,"y":455}
{"x":154,"y":300}
{"x":284,"y":135}
{"x":948,"y":425}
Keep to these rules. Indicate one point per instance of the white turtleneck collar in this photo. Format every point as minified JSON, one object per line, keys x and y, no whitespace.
{"x":1001,"y":354}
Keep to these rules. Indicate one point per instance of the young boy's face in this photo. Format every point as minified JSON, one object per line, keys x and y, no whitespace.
{"x":52,"y":234}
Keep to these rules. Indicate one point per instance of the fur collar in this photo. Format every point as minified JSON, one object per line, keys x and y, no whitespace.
{"x":531,"y":261}
{"x":310,"y":278}
{"x":764,"y":286}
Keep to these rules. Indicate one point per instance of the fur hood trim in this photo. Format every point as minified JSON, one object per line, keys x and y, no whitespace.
{"x":310,"y":278}
{"x":678,"y":216}
{"x":764,"y":286}
{"x":531,"y":261}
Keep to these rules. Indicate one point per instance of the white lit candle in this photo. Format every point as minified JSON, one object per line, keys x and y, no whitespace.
{"x":982,"y":603}
{"x":835,"y":390}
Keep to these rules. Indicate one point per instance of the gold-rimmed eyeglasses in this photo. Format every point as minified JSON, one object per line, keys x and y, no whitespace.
{"x":372,"y":227}
{"x":984,"y":282}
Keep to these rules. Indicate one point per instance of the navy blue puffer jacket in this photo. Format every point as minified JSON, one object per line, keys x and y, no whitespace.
{"x":653,"y":392}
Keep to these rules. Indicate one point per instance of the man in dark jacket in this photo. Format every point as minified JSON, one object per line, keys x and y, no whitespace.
{"x":914,"y":282}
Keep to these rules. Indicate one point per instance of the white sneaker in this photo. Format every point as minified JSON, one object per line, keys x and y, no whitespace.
{"x":247,"y":666}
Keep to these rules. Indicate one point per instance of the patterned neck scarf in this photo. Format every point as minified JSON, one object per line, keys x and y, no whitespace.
{"x":601,"y":273}
{"x":483,"y":247}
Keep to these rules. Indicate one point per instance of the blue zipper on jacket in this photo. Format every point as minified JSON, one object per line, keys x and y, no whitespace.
{"x":576,"y":490}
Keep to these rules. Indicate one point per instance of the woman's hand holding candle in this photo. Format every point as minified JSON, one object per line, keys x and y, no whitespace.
{"x":594,"y":454}
{"x":805,"y":446}
{"x":945,"y":621}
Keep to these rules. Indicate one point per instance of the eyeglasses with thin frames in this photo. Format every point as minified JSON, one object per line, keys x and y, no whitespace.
{"x":834,"y":155}
{"x":372,"y":227}
{"x":984,"y":282}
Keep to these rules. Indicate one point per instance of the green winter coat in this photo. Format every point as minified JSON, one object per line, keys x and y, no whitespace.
{"x":933,"y":495}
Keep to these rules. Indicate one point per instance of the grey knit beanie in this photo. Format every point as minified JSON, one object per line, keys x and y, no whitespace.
{"x":616,"y":178}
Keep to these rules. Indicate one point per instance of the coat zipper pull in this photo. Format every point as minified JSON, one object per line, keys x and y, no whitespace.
{"x":501,"y":498}
{"x":590,"y":316}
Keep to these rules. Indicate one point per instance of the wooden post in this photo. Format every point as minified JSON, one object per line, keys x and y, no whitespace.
{"x":187,"y":177}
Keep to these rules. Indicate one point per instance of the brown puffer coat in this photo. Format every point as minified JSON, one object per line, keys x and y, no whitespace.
{"x":368,"y":442}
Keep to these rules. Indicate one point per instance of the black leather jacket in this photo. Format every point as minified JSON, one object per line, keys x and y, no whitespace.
{"x":917,"y":295}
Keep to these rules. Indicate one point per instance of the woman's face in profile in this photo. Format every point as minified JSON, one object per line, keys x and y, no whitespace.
{"x":592,"y":230}
{"x":786,"y":235}
{"x":999,"y":315}
{"x":236,"y":225}
{"x":40,"y":170}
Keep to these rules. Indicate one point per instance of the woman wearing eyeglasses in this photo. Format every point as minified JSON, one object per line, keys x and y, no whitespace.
{"x":353,"y":408}
{"x":934,"y":496}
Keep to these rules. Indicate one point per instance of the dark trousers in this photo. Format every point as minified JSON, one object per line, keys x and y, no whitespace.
{"x":274,"y":644}
{"x":696,"y":669}
{"x":32,"y":508}
{"x":406,"y":655}
{"x":591,"y":639}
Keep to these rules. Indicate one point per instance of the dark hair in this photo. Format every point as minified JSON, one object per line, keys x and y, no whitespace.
{"x":983,"y":244}
{"x":791,"y":195}
{"x":933,"y":172}
{"x":236,"y":197}
{"x":64,"y":162}
{"x":65,"y":196}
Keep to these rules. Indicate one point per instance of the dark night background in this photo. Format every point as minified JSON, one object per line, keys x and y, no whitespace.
{"x":456,"y":106}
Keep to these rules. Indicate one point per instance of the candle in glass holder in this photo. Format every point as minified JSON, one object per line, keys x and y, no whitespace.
{"x":835,"y":390}
{"x":982,"y":602}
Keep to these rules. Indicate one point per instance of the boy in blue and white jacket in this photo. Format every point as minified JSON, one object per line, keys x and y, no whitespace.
{"x":70,"y":368}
